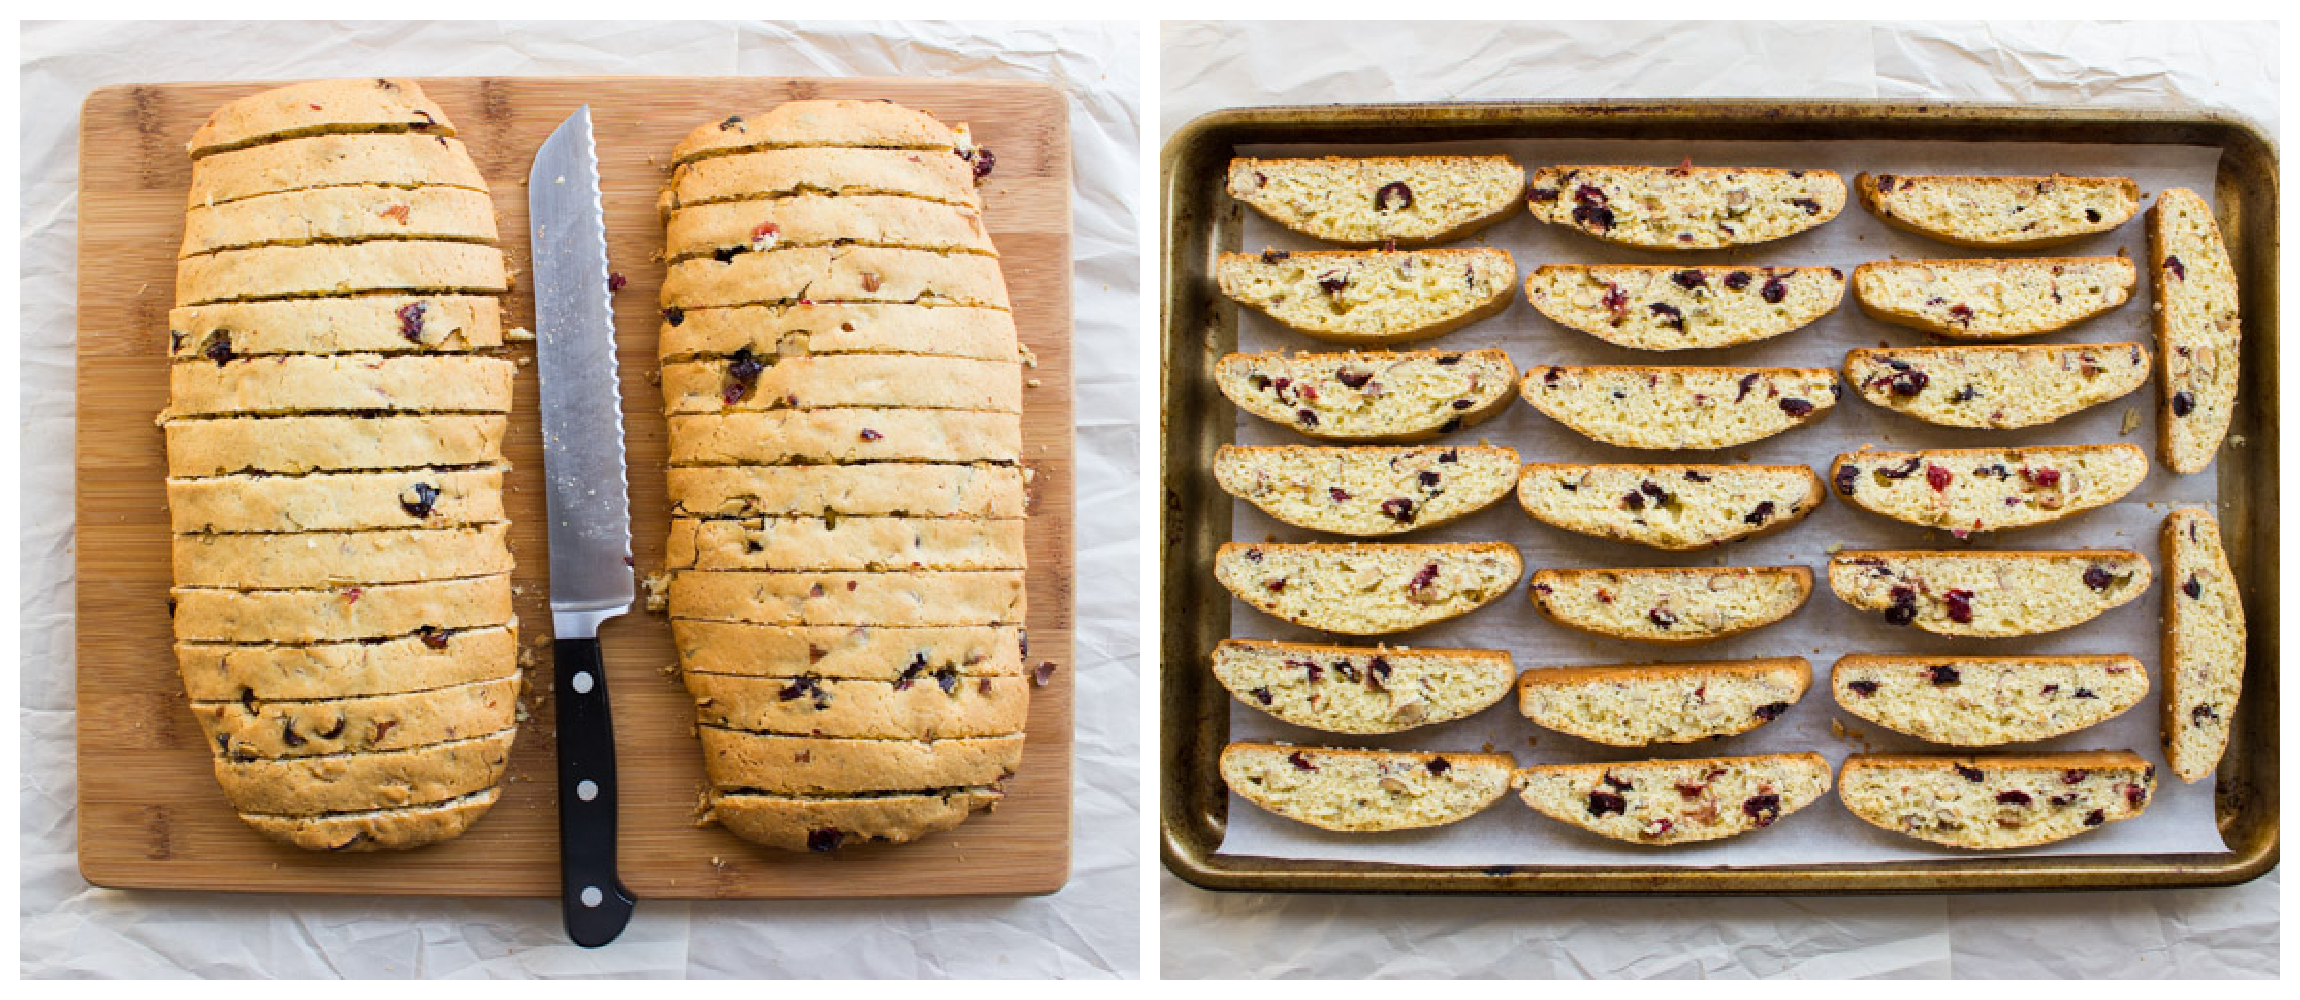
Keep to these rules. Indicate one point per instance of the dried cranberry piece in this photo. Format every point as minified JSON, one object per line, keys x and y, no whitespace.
{"x":1884,"y":182}
{"x":1616,"y":301}
{"x":1747,"y":382}
{"x":1448,"y":456}
{"x":1396,"y":191}
{"x":1262,"y":694}
{"x":825,"y":840}
{"x":1737,"y":280}
{"x":1762,"y":808}
{"x":1795,"y":407}
{"x":1672,"y":316}
{"x":2041,"y":477}
{"x":797,"y":689}
{"x":1657,"y":828}
{"x":1603,"y":802}
{"x":1774,"y":291}
{"x":426,"y":495}
{"x":1428,"y":478}
{"x":1348,"y":670}
{"x":2097,"y":578}
{"x":1961,"y":313}
{"x":1965,"y":395}
{"x":1616,"y":783}
{"x":1542,"y":194}
{"x":871,"y":435}
{"x":432,"y":637}
{"x":726,"y":255}
{"x":984,"y":162}
{"x":2094,"y":818}
{"x":1589,"y":209}
{"x":2013,"y":798}
{"x":1306,"y":417}
{"x":1972,"y":774}
{"x":1253,"y":555}
{"x":743,"y":372}
{"x":1810,"y":206}
{"x":2202,"y":714}
{"x":1332,"y":282}
{"x":1439,"y":765}
{"x":1377,"y":673}
{"x":674,"y":315}
{"x":1772,"y":711}
{"x":1661,"y":618}
{"x":1846,"y":475}
{"x":2085,"y":693}
{"x":1352,"y":377}
{"x":732,"y":123}
{"x":1904,"y":607}
{"x":2183,"y":403}
{"x":1339,"y":494}
{"x":1301,"y":762}
{"x":2074,"y":776}
{"x":1690,"y":278}
{"x":1960,"y":606}
{"x":1764,"y":510}
{"x":1695,"y":476}
{"x":1274,"y":256}
{"x":1910,"y":383}
{"x":2172,"y":264}
{"x":2135,"y":796}
{"x":1862,"y":688}
{"x":1943,"y":675}
{"x":2192,"y":588}
{"x":2092,"y":215}
{"x":1400,"y":510}
{"x":411,"y":321}
{"x":289,"y":735}
{"x":917,"y":669}
{"x":1424,"y":577}
{"x":616,"y":281}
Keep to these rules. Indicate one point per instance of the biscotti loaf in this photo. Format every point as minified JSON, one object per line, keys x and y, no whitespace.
{"x":342,"y":383}
{"x":844,"y":328}
{"x":830,"y":171}
{"x":1988,"y":489}
{"x":836,"y":274}
{"x":1978,"y":701}
{"x":1999,"y":212}
{"x":1358,"y":791}
{"x":1361,"y":201}
{"x":1367,"y":589}
{"x":1366,"y":491}
{"x":839,"y":122}
{"x":1639,"y":705}
{"x":1992,"y":299}
{"x":843,"y":436}
{"x":1687,"y":207}
{"x":874,"y":544}
{"x":1674,"y":507}
{"x":1372,"y":396}
{"x":429,"y":659}
{"x":727,"y":228}
{"x":290,"y":272}
{"x":254,"y":729}
{"x":318,"y":107}
{"x":1670,"y":605}
{"x":737,"y":761}
{"x":1991,"y":594}
{"x":1352,"y":689}
{"x":1675,"y":801}
{"x":378,"y":829}
{"x":294,"y":445}
{"x":865,"y":653}
{"x":887,"y":489}
{"x":341,"y":215}
{"x":1678,"y":308}
{"x":2005,"y":800}
{"x":379,"y":324}
{"x":1371,"y":297}
{"x":1995,"y":386}
{"x":407,"y":160}
{"x":1680,"y":408}
{"x":346,"y":501}
{"x":2199,"y":334}
{"x":747,"y":381}
{"x":2204,"y":641}
{"x":823,"y":823}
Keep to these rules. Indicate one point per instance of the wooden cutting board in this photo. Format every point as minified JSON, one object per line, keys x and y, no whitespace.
{"x":151,"y":815}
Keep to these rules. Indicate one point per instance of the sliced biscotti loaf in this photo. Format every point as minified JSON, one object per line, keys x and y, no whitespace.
{"x":1650,"y":406}
{"x":831,"y":171}
{"x":1636,"y":705}
{"x":1990,"y":594}
{"x":1992,"y":299}
{"x":1670,"y":605}
{"x":736,"y":761}
{"x":252,"y":729}
{"x":311,"y":786}
{"x":295,"y":445}
{"x":1995,"y":386}
{"x":861,"y":653}
{"x":1675,"y":801}
{"x":873,"y":544}
{"x":831,"y":122}
{"x":1978,"y":701}
{"x":369,"y":324}
{"x":825,"y":824}
{"x":1352,"y":689}
{"x":925,"y":708}
{"x":378,"y":829}
{"x":349,"y":501}
{"x":863,"y":434}
{"x":343,"y":383}
{"x":2001,"y":800}
{"x":2199,"y":334}
{"x":748,"y":381}
{"x":1362,"y":201}
{"x":1358,"y":791}
{"x":326,"y":269}
{"x":851,"y":599}
{"x":1677,"y":308}
{"x":1366,"y":491}
{"x":1370,"y":396}
{"x":1371,"y":297}
{"x":1966,"y":490}
{"x":409,"y":160}
{"x":1999,"y":212}
{"x":208,"y":614}
{"x":1685,"y":208}
{"x":429,"y":659}
{"x":318,"y":107}
{"x":1367,"y":589}
{"x":1674,"y":507}
{"x":2204,"y":641}
{"x":331,"y":558}
{"x":837,"y":274}
{"x":842,"y":328}
{"x":341,"y":215}
{"x":724,"y":229}
{"x":885,"y":489}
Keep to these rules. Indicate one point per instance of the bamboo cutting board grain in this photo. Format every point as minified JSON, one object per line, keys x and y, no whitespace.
{"x":150,"y":813}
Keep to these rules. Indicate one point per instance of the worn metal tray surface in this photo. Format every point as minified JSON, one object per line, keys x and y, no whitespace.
{"x":1198,"y":326}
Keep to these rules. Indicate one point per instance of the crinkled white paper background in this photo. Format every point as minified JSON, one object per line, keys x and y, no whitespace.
{"x":2225,"y":932}
{"x":1088,"y":930}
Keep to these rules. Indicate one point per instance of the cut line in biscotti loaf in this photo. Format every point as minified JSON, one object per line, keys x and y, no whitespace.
{"x":408,"y":160}
{"x":324,"y":270}
{"x":1978,"y":701}
{"x":1685,"y":207}
{"x":343,"y":383}
{"x":1354,"y":689}
{"x":253,"y":729}
{"x":1678,"y":308}
{"x":1359,"y":791}
{"x":840,"y":328}
{"x":1999,"y":212}
{"x":1635,"y":705}
{"x":830,"y":171}
{"x":1372,"y":396}
{"x":318,"y":107}
{"x":2199,"y":334}
{"x":312,"y":786}
{"x":855,"y":652}
{"x":1671,"y":507}
{"x":872,"y":544}
{"x":1367,"y":589}
{"x":1996,"y":386}
{"x":749,"y":381}
{"x":378,"y":829}
{"x":368,"y":324}
{"x":350,"y":501}
{"x":808,"y":765}
{"x":828,"y":122}
{"x":786,"y":437}
{"x":1369,"y":200}
{"x":1671,"y":605}
{"x":1366,"y":491}
{"x":429,"y":659}
{"x":1700,"y":408}
{"x":294,"y":445}
{"x":1992,"y":594}
{"x":837,"y":274}
{"x":1992,"y":299}
{"x":866,"y":599}
{"x":825,"y":824}
{"x":349,"y":214}
{"x":1675,"y":801}
{"x":723,"y":229}
{"x":1999,"y":800}
{"x":1371,"y":297}
{"x":927,"y":707}
{"x":330,"y":558}
{"x":2204,"y":644}
{"x":884,"y":489}
{"x":208,"y":614}
{"x":1969,"y":490}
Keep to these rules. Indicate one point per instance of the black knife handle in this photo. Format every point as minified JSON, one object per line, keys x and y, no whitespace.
{"x":592,"y":897}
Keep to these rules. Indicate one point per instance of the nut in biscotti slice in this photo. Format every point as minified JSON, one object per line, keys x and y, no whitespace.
{"x":2199,"y":334}
{"x":1367,"y":589}
{"x":1685,"y":207}
{"x":1651,"y":406}
{"x":1992,"y":299}
{"x":1352,"y":689}
{"x":1371,"y":297}
{"x":1974,"y":701}
{"x":2204,"y":642}
{"x":1366,"y":491}
{"x":320,"y":107}
{"x":1636,"y":705}
{"x":1999,"y":212}
{"x":1362,"y":201}
{"x":1679,"y":308}
{"x":1357,"y":791}
{"x":1675,"y":801}
{"x":1995,"y":386}
{"x":1997,"y":593}
{"x":1674,"y":507}
{"x":1964,"y":490}
{"x":1374,"y":396}
{"x":1670,"y":605}
{"x":2006,"y":800}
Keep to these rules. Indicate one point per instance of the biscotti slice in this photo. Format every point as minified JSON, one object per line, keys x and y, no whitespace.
{"x":840,"y":328}
{"x":874,"y":544}
{"x":328,"y":270}
{"x":835,"y":122}
{"x":318,"y":107}
{"x":1637,"y":406}
{"x":737,"y":761}
{"x":378,"y":829}
{"x":1992,"y":594}
{"x":824,"y":825}
{"x":288,"y":383}
{"x":408,"y":160}
{"x":1362,"y":201}
{"x":862,"y":652}
{"x":855,"y":599}
{"x":1978,"y":701}
{"x":1371,"y":297}
{"x":1372,"y":396}
{"x":204,"y":614}
{"x":253,"y":728}
{"x":840,"y":172}
{"x":349,"y":501}
{"x":2199,"y":334}
{"x":1637,"y":705}
{"x":377,"y":324}
{"x":724,"y":229}
{"x":311,"y":786}
{"x":1675,"y":801}
{"x":1368,"y":589}
{"x":1673,"y":507}
{"x":1366,"y":491}
{"x":1995,"y":386}
{"x":1992,"y":299}
{"x":1687,"y":207}
{"x":924,"y":708}
{"x":1670,"y":605}
{"x":775,"y":437}
{"x":1999,"y":212}
{"x":298,"y":444}
{"x":1359,"y":791}
{"x":2204,"y":641}
{"x":748,"y":381}
{"x":1966,"y":490}
{"x":1352,"y":689}
{"x":341,"y":215}
{"x":887,"y":489}
{"x":837,"y":274}
{"x":1678,"y":308}
{"x":332,"y":558}
{"x":431,"y":658}
{"x":2004,"y":800}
